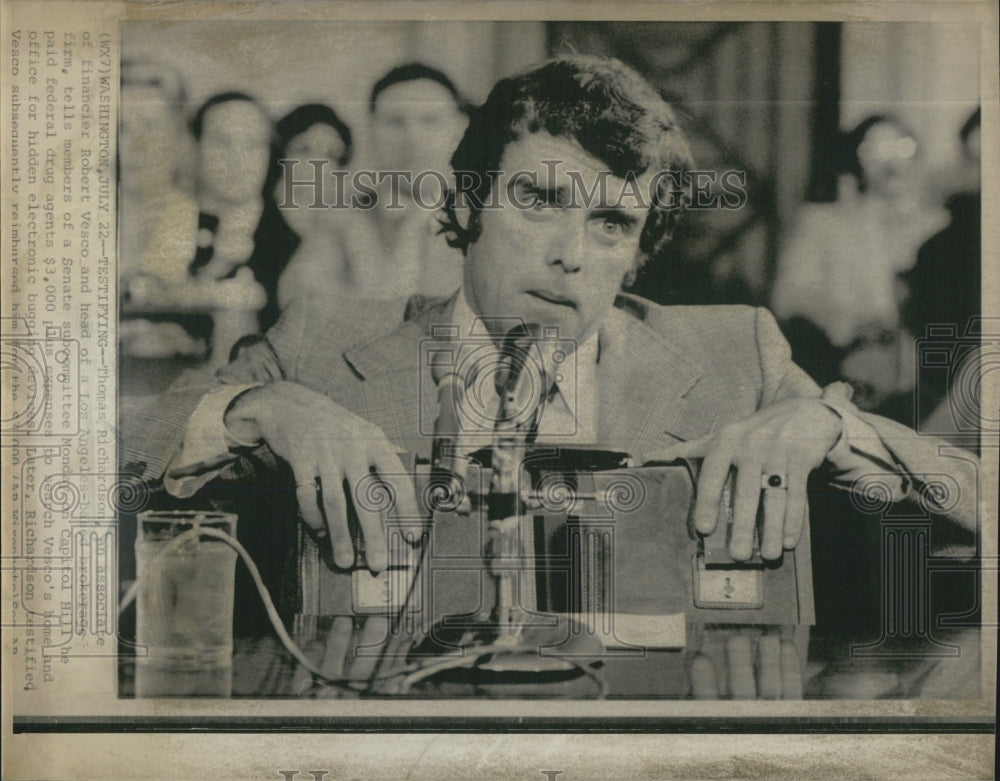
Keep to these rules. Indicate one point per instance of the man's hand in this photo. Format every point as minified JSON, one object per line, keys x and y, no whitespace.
{"x":773,"y":452}
{"x":745,"y":664}
{"x":320,"y":439}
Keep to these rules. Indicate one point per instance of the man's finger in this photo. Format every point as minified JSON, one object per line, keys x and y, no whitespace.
{"x":370,"y":514}
{"x":746,"y":500}
{"x":774,"y":500}
{"x":394,"y":474}
{"x":306,"y":494}
{"x":696,"y":448}
{"x":711,"y":480}
{"x":795,"y":504}
{"x":335,"y":509}
{"x":406,"y":515}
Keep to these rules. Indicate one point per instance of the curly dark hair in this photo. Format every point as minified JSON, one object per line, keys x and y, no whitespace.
{"x":611,"y":111}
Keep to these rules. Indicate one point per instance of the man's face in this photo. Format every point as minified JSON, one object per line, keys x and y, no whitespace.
{"x":415,"y":127}
{"x":886,"y":156}
{"x":547,"y":260}
{"x":234,"y":151}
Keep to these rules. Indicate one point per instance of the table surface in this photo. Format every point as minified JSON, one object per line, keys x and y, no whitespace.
{"x":718,"y":662}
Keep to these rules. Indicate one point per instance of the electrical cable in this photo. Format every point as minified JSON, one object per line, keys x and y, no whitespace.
{"x":272,"y":611}
{"x":466,"y":657}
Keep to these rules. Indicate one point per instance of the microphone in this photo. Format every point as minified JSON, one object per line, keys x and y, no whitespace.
{"x":448,"y":456}
{"x":521,"y":381}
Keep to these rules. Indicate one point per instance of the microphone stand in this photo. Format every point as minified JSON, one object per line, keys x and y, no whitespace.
{"x":504,"y":636}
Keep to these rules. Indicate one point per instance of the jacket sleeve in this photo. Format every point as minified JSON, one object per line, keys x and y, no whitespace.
{"x":881,"y":460}
{"x":152,"y":429}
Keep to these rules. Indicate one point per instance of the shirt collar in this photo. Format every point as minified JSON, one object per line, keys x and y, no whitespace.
{"x":578,"y":370}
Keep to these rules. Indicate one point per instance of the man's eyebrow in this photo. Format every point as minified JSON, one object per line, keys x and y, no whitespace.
{"x":558,"y":195}
{"x":625,"y":217}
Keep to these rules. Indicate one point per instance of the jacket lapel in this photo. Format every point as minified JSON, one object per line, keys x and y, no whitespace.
{"x":647,"y":384}
{"x":647,"y":381}
{"x":399,"y":394}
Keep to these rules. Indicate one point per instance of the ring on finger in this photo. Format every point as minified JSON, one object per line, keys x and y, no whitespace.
{"x":773,"y":481}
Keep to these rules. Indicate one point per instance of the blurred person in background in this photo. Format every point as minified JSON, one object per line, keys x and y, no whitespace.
{"x":838,"y":289}
{"x":944,"y":286}
{"x":417,"y":118}
{"x":158,"y":215}
{"x":316,"y":240}
{"x":235,"y":138}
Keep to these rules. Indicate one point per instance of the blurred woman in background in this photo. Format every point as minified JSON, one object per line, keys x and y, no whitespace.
{"x":838,"y":287}
{"x":313,"y":142}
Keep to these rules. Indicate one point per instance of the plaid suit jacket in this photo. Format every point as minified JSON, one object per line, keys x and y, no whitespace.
{"x":665,"y":375}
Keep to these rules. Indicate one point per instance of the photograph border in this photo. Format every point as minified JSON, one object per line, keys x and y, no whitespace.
{"x":593,"y":744}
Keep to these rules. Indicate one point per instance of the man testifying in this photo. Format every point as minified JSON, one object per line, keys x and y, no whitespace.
{"x":338,"y":388}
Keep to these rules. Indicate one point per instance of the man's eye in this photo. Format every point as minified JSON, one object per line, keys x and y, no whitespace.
{"x":611,"y":229}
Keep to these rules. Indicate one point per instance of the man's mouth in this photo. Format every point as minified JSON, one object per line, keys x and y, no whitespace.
{"x":550,"y":297}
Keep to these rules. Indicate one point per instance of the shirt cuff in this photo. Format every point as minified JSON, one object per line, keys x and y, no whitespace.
{"x":208,"y":445}
{"x":860,"y":459}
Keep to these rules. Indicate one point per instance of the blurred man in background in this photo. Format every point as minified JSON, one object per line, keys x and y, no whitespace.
{"x":417,"y":118}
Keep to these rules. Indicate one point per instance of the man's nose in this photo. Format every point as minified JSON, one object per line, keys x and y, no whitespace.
{"x":568,"y":247}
